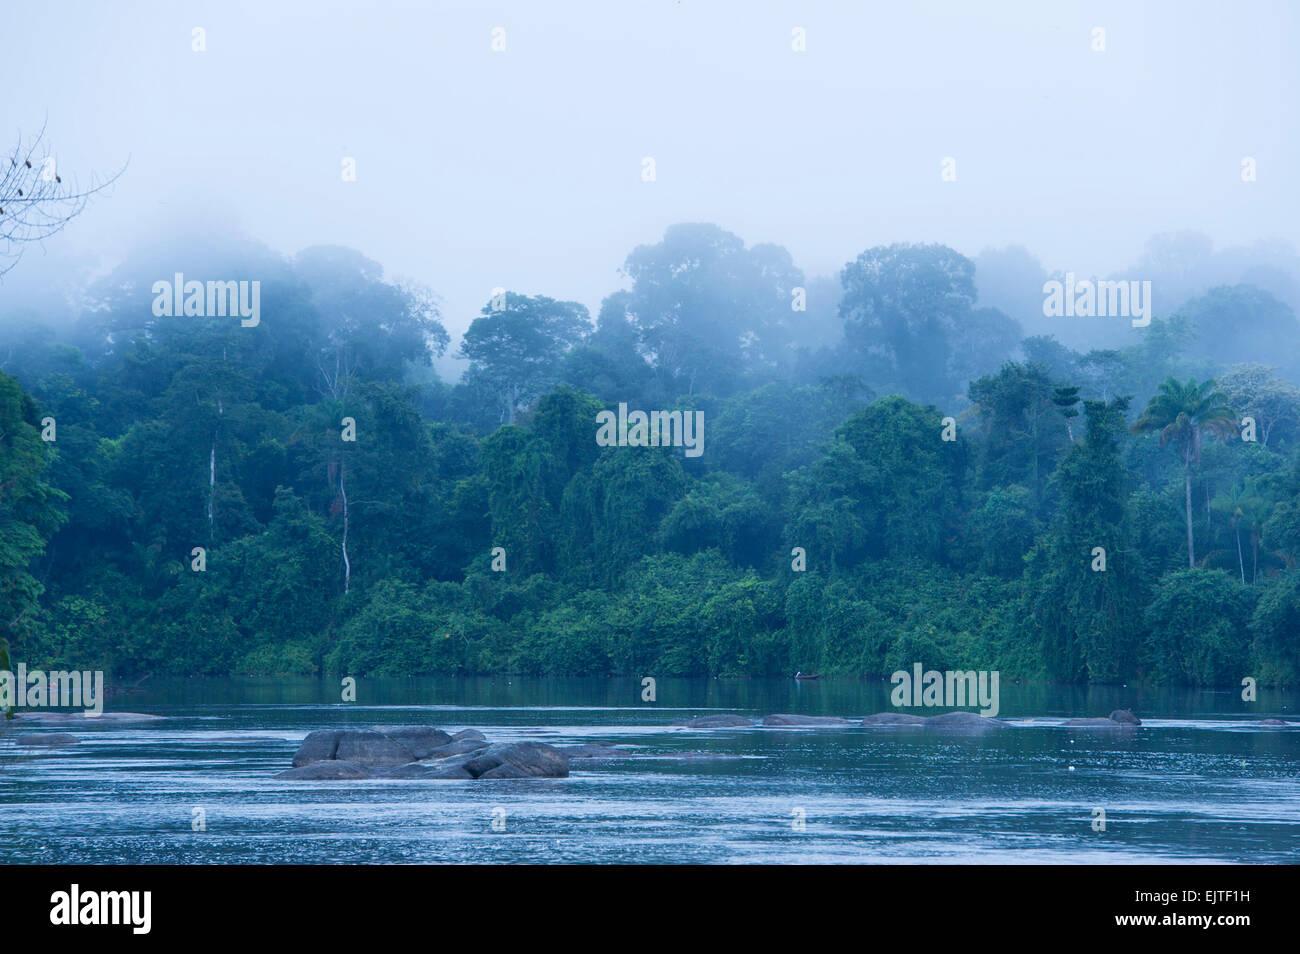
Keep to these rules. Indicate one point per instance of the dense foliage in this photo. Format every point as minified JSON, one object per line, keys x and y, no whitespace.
{"x":1094,"y":515}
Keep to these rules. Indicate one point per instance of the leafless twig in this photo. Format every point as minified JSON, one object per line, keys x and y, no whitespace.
{"x":35,"y":203}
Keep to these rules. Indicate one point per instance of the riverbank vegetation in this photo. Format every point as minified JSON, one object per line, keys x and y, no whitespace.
{"x":1096,"y":515}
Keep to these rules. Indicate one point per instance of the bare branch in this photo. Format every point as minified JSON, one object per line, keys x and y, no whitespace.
{"x":35,"y":203}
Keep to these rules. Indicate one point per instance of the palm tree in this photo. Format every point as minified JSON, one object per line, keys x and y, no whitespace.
{"x":1255,"y":511}
{"x":1234,"y":503}
{"x":1182,"y":413}
{"x":1247,"y":509}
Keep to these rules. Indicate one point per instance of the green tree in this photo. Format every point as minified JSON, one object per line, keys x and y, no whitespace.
{"x":1182,"y":414}
{"x":708,"y":309}
{"x":888,"y":485}
{"x":516,"y":349}
{"x":909,"y":313}
{"x":1021,"y":441}
{"x":1196,"y":629}
{"x":1253,"y":390}
{"x":1275,"y":623}
{"x":1083,"y":616}
{"x":31,"y":509}
{"x":1246,"y":508}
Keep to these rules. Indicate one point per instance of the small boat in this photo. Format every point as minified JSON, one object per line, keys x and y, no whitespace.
{"x":804,"y":676}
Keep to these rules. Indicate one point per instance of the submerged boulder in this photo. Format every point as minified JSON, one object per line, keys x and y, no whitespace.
{"x":48,"y":739}
{"x":785,"y":719}
{"x":593,"y":750}
{"x":80,"y":718}
{"x":1095,"y":724}
{"x":716,"y":722}
{"x":893,"y":718}
{"x":965,"y":722}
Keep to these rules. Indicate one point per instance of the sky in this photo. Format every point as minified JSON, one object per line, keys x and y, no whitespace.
{"x":523,"y":167}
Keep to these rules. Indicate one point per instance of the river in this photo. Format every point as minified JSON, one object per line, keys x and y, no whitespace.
{"x":1197,"y":782}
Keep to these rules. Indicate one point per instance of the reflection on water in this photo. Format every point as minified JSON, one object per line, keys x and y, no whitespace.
{"x":1197,"y":782}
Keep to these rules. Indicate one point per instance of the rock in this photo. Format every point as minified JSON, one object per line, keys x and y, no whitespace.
{"x":319,"y":746}
{"x":456,"y":748}
{"x":351,"y":745}
{"x":409,"y":770}
{"x":893,"y":718}
{"x":455,"y":761}
{"x":81,"y":718}
{"x":422,"y":771}
{"x":1125,"y":717}
{"x":371,"y":748}
{"x":327,"y":770}
{"x":593,"y":750}
{"x":535,"y":759}
{"x":1273,"y":722}
{"x":505,"y":770}
{"x":421,"y":740}
{"x":451,"y":773}
{"x":967,"y":722}
{"x":803,"y":720}
{"x":716,"y":722}
{"x":970,"y":723}
{"x":46,"y":738}
{"x":419,"y":752}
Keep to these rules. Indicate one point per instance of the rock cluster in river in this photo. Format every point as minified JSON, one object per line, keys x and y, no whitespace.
{"x":965,"y":723}
{"x":957,"y":722}
{"x":1119,"y":719}
{"x":425,"y":752}
{"x":420,"y":752}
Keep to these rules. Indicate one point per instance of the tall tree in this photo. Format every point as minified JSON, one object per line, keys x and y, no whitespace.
{"x":1021,"y":441}
{"x":708,"y":309}
{"x":909,"y":313}
{"x":1182,"y":414}
{"x":1255,"y":391}
{"x":515,"y":347}
{"x":1083,"y":610}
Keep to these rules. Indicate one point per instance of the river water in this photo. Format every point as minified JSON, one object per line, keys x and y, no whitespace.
{"x":1197,"y":782}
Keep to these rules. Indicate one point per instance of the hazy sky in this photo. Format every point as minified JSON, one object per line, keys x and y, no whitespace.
{"x":523,"y":168}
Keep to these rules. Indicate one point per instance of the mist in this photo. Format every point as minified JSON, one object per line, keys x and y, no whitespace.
{"x":522,"y":167}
